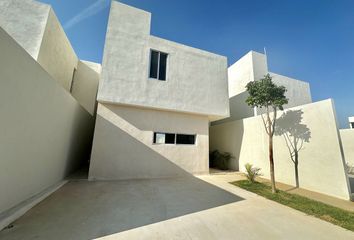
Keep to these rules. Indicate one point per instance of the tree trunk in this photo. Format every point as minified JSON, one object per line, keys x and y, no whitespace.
{"x":271,"y":162}
{"x":296,"y":163}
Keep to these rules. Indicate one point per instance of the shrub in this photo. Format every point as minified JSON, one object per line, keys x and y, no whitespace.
{"x":350,"y":168}
{"x":220,"y":160}
{"x":252,"y":172}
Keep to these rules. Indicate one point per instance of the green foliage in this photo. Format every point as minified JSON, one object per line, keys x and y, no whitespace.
{"x":321,"y":210}
{"x":220,"y":160}
{"x":252,"y":172}
{"x":265,"y":93}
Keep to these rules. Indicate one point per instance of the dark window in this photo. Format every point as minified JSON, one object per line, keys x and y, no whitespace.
{"x":154,"y":62}
{"x":185,"y":139}
{"x":162,"y":68}
{"x":352,"y":125}
{"x":172,"y":138}
{"x":72,"y":80}
{"x":158,"y":64}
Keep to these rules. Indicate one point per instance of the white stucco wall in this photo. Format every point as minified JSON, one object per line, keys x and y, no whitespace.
{"x":196,"y":80}
{"x":298,"y":92}
{"x":347,"y":136}
{"x":56,"y":54}
{"x":123,"y":144}
{"x":45,"y":133}
{"x":85,"y":84}
{"x":238,"y":109}
{"x":36,"y":28}
{"x":253,"y":66}
{"x":25,"y":21}
{"x":321,"y":165}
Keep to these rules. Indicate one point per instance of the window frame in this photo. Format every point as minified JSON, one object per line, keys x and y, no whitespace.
{"x":155,"y":143}
{"x":158,"y":64}
{"x":175,"y":139}
{"x":195,"y":139}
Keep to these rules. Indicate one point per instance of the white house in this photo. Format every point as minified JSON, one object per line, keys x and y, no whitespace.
{"x":154,"y":109}
{"x":156,"y":99}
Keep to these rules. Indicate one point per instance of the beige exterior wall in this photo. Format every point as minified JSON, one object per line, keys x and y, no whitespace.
{"x":252,"y":66}
{"x":123,"y":144}
{"x":347,"y":136}
{"x":45,"y":132}
{"x":36,"y":28}
{"x":56,"y":55}
{"x":196,"y":80}
{"x":321,"y":165}
{"x":85,"y":85}
{"x":25,"y":21}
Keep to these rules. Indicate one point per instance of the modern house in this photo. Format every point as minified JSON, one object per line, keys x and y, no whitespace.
{"x":154,"y":109}
{"x":155,"y":101}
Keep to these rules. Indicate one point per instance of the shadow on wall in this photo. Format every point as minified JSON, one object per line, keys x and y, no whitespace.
{"x":237,"y":140}
{"x":123,"y":150}
{"x":295,"y":135}
{"x":80,"y":135}
{"x":228,"y":137}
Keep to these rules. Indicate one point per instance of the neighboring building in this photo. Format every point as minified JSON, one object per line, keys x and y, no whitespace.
{"x":156,"y":99}
{"x":36,"y":28}
{"x":351,"y":122}
{"x":253,"y":66}
{"x":309,"y":128}
{"x":48,"y":104}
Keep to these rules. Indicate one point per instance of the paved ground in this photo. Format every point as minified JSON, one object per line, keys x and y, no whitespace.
{"x":192,"y":208}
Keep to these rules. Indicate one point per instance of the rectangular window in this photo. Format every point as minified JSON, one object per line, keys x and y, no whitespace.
{"x":172,"y":138}
{"x":158,"y":64}
{"x":185,"y":139}
{"x":352,"y":125}
{"x":164,"y":138}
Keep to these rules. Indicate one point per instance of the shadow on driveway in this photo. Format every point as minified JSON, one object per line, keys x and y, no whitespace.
{"x":86,"y":210}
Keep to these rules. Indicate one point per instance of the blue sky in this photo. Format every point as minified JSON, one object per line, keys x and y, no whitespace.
{"x":310,"y":40}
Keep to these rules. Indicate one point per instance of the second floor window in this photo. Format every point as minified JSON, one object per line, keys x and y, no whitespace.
{"x":158,"y":64}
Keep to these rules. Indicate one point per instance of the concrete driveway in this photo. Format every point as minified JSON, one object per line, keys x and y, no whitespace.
{"x":190,"y":208}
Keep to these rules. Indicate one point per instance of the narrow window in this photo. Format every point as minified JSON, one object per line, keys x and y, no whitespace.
{"x":352,"y":125}
{"x":162,"y":68}
{"x":72,"y":80}
{"x":172,"y":138}
{"x":154,"y":64}
{"x":185,"y":139}
{"x":158,"y":64}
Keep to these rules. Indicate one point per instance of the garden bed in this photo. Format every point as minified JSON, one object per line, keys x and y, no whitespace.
{"x":311,"y":207}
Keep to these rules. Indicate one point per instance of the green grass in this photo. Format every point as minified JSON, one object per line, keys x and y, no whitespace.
{"x":321,"y":210}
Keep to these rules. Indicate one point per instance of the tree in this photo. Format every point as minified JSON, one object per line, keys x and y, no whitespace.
{"x":265,"y":94}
